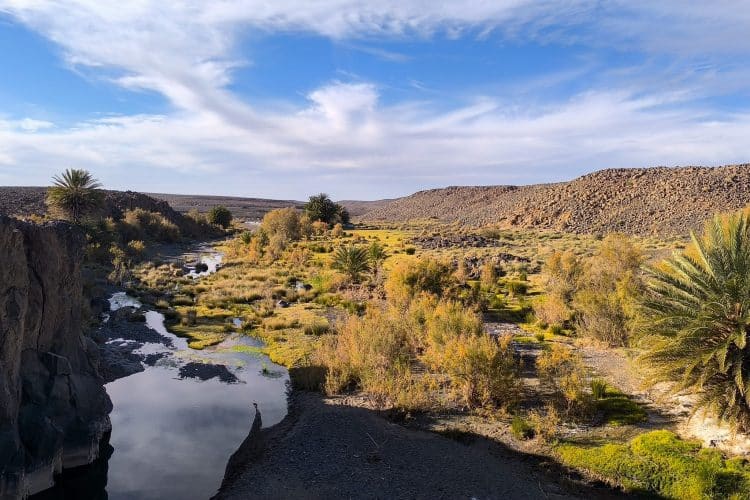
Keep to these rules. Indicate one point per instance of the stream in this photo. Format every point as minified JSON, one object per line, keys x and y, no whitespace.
{"x":175,"y":424}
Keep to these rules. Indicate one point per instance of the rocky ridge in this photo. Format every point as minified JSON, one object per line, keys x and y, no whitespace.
{"x":53,"y":406}
{"x":30,"y":201}
{"x":661,"y":200}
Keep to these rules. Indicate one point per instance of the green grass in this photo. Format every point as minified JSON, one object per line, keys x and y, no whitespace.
{"x":619,"y":409}
{"x":521,"y":429}
{"x":660,"y":463}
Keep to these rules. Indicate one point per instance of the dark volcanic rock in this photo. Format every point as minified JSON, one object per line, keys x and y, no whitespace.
{"x":53,"y":407}
{"x":204,"y":371}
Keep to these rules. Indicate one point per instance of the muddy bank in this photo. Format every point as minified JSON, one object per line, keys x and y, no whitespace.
{"x":327,"y":450}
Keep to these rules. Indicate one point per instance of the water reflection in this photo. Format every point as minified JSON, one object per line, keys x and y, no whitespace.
{"x":172,"y":437}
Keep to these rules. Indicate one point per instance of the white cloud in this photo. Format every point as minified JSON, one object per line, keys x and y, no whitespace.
{"x":345,"y":137}
{"x":345,"y":142}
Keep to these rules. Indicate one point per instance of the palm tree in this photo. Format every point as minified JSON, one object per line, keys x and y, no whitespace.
{"x":697,"y":306}
{"x":76,"y":193}
{"x":351,"y":260}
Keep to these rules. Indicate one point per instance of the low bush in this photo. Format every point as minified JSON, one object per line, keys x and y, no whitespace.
{"x":409,"y":279}
{"x":140,"y":224}
{"x":563,"y":370}
{"x":220,"y":216}
{"x":660,"y":463}
{"x":317,"y":329}
{"x":598,"y":388}
{"x":521,"y":429}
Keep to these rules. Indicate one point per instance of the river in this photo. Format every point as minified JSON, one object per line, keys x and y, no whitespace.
{"x":172,"y":431}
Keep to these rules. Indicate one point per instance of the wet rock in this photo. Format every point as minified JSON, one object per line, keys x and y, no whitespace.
{"x":204,"y":371}
{"x":53,"y":407}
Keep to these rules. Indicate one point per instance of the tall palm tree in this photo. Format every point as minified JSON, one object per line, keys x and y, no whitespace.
{"x":697,"y":308}
{"x":76,"y":193}
{"x":352,"y":261}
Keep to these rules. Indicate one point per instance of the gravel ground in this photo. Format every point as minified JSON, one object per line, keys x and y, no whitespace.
{"x":328,"y":450}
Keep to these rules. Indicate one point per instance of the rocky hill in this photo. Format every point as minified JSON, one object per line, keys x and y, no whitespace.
{"x":242,"y":208}
{"x":26,"y":201}
{"x":637,"y":201}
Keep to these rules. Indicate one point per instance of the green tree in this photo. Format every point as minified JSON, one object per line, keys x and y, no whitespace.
{"x":352,"y":261}
{"x":220,"y":215}
{"x":320,"y":208}
{"x":76,"y":193}
{"x":697,"y":314}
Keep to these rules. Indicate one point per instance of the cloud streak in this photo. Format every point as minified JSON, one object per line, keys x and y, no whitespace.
{"x":345,"y":139}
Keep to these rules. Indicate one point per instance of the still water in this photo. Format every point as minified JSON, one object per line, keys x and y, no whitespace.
{"x":172,"y":436}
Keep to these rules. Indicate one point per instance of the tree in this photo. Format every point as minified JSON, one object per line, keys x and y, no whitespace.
{"x":352,"y":261}
{"x":697,"y":311}
{"x":321,"y":208}
{"x":76,"y":193}
{"x":220,"y":215}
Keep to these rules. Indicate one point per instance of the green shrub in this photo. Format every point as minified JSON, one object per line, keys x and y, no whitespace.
{"x":516,"y":288}
{"x":220,"y":215}
{"x":521,"y":429}
{"x":555,"y":329}
{"x":660,"y":463}
{"x":410,"y":251}
{"x":246,"y":237}
{"x":352,"y":261}
{"x":598,"y":388}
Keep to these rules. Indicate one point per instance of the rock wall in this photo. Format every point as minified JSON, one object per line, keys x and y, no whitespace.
{"x":53,"y":406}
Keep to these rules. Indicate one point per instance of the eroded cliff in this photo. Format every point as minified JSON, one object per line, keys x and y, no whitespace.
{"x":53,"y":407}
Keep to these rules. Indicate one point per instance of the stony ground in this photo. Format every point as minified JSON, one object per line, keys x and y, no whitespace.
{"x":325,"y":449}
{"x":637,"y":201}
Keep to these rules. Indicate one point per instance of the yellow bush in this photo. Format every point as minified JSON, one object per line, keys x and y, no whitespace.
{"x":482,"y":370}
{"x":409,"y":279}
{"x":564,"y":370}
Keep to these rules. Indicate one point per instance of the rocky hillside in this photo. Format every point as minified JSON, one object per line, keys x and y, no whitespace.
{"x":637,"y":201}
{"x":26,"y":201}
{"x":53,"y":406}
{"x":242,"y":208}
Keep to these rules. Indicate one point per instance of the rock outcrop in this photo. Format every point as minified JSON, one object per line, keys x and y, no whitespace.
{"x":644,"y":201}
{"x":53,"y":406}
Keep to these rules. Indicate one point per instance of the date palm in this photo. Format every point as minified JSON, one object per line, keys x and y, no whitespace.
{"x":697,"y":307}
{"x":352,"y":261}
{"x":76,"y":193}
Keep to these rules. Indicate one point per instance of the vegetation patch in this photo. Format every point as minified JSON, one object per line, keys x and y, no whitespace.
{"x":660,"y":463}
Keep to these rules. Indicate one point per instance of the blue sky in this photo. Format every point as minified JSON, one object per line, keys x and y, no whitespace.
{"x":366,"y":99}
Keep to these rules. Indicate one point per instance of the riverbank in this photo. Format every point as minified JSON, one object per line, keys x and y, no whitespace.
{"x":327,"y":449}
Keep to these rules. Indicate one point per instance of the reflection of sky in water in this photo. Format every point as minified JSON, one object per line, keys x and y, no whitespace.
{"x":172,"y":438}
{"x":211,"y":258}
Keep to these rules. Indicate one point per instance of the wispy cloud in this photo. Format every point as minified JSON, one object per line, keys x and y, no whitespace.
{"x":345,"y":137}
